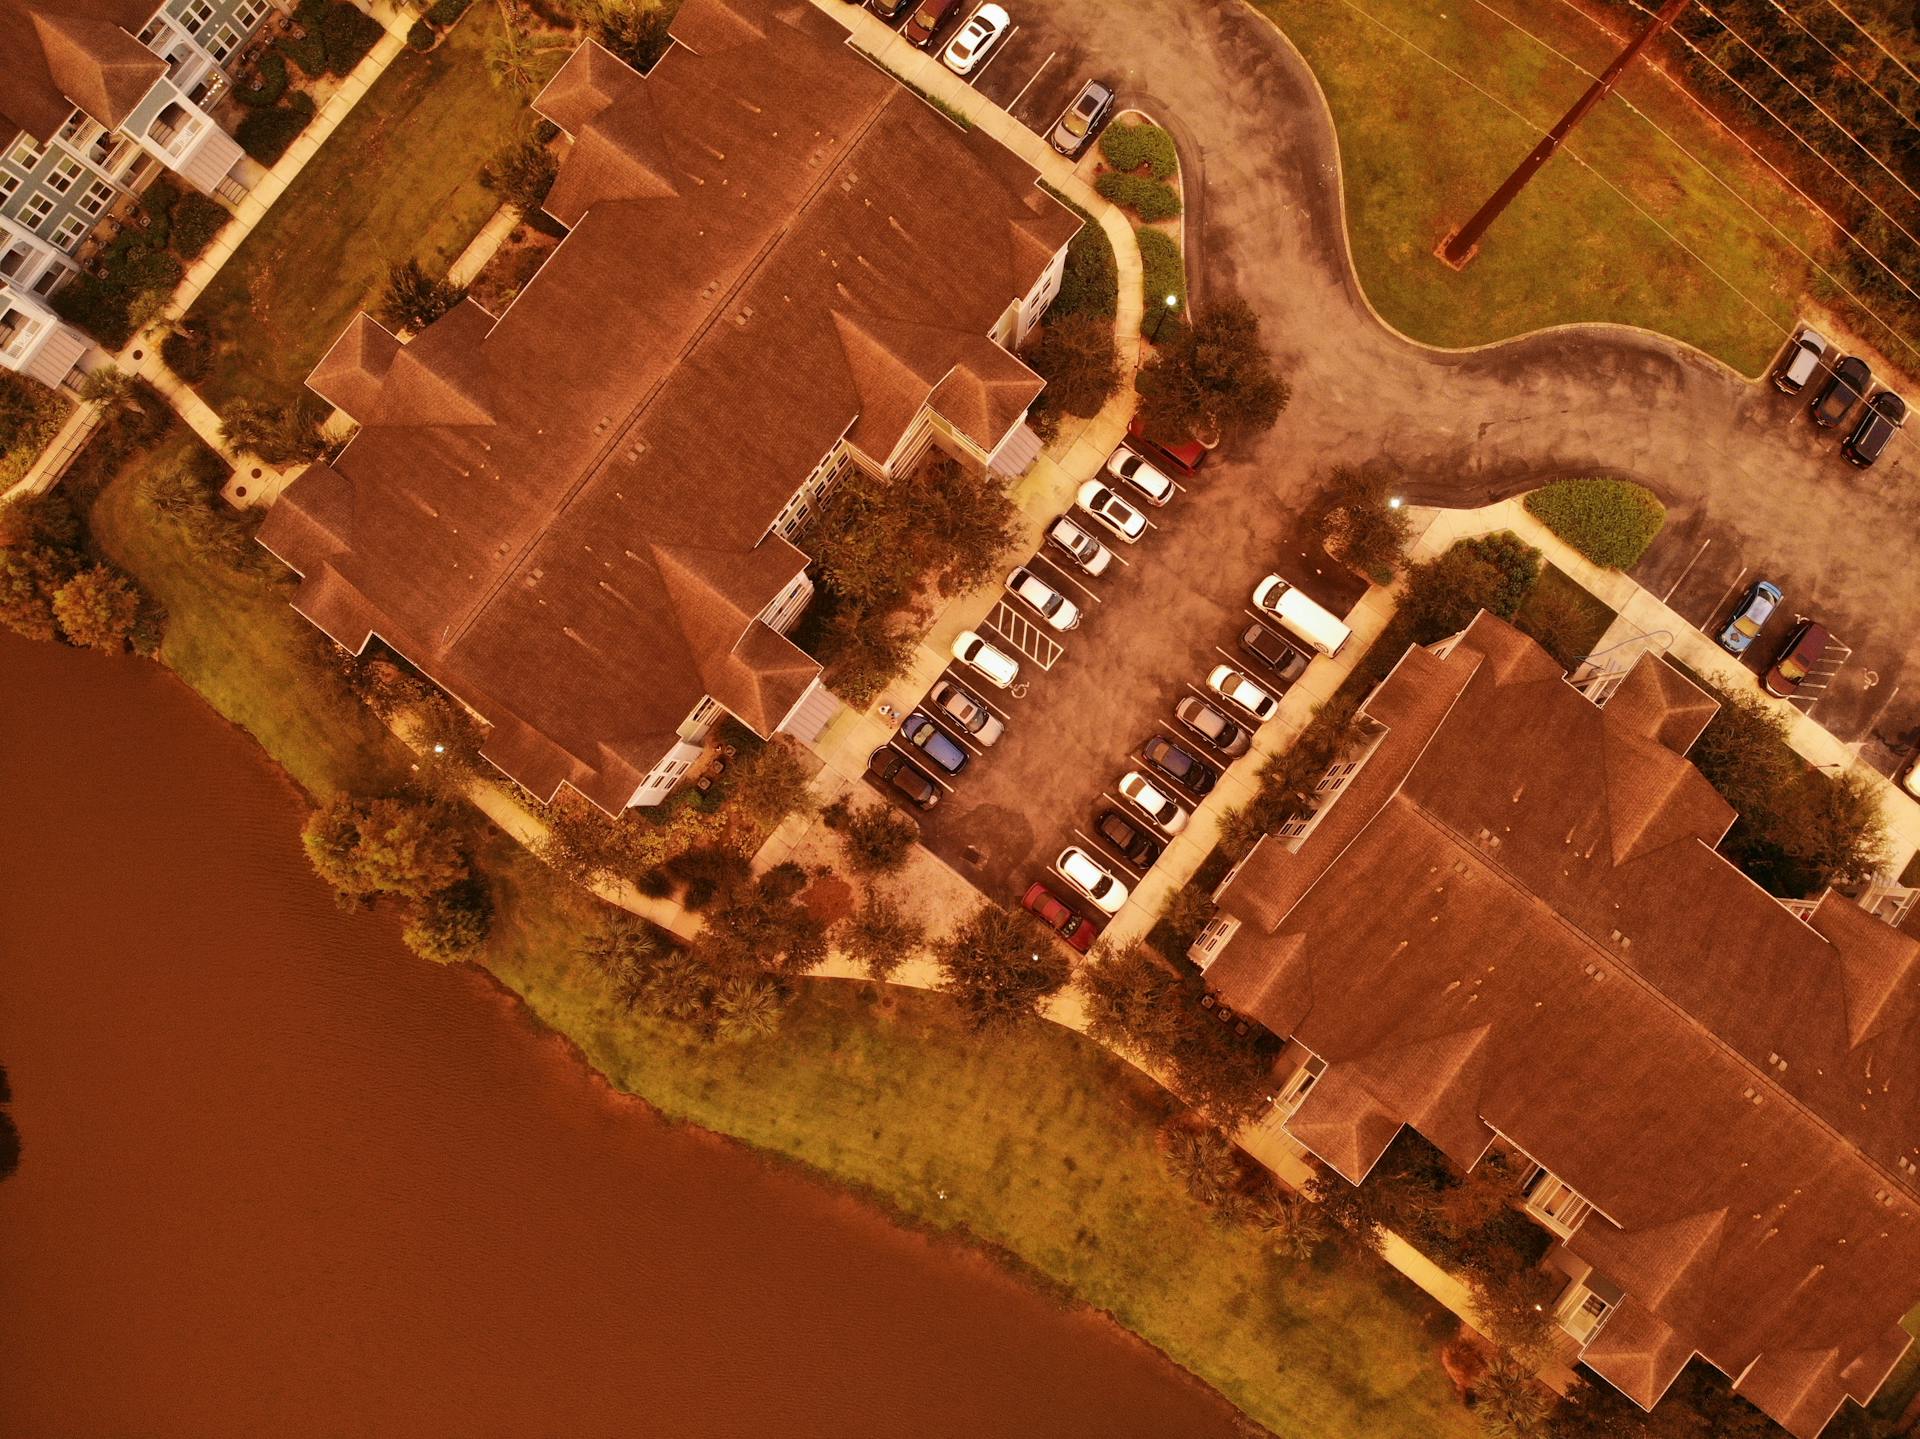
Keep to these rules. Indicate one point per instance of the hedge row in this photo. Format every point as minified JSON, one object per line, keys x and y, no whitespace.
{"x":1128,"y":147}
{"x":1164,"y":274}
{"x":1149,"y":199}
{"x":140,"y":261}
{"x":1611,"y":522}
{"x":265,"y":134}
{"x":1091,"y":283}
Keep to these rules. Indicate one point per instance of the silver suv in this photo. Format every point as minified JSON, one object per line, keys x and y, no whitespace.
{"x":1068,"y":534}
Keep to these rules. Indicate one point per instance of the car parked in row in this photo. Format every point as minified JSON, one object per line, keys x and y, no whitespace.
{"x":1109,"y":509}
{"x":979,"y":35}
{"x":1183,"y":456}
{"x":1077,"y":930}
{"x":927,"y":20}
{"x":1168,"y":815}
{"x":1133,"y":843}
{"x":919,"y":730}
{"x":1885,"y":413}
{"x":1851,"y":379}
{"x":890,"y":767}
{"x":1801,"y":362}
{"x":1081,"y":119}
{"x":1756,"y":607}
{"x":966,"y":710}
{"x":1243,"y":694}
{"x":998,"y":669}
{"x":1300,"y":615}
{"x":1056,"y":609}
{"x":1091,"y":878}
{"x":1804,"y":648}
{"x":1283,"y":660}
{"x":1213,"y":727}
{"x":1071,"y":538}
{"x":1184,"y":769}
{"x":1124,"y":465}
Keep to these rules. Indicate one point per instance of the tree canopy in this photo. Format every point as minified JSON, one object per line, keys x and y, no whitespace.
{"x":999,"y":964}
{"x":1213,"y":377}
{"x":366,"y":847}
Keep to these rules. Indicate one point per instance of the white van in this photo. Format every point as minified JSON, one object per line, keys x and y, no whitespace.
{"x":1300,"y":616}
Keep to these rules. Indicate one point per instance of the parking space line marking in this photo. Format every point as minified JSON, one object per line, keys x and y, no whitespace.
{"x":929,"y":769}
{"x":1014,"y":103}
{"x":1061,"y":571}
{"x":1722,"y":602}
{"x":1004,"y":621}
{"x":1111,"y":855}
{"x":1688,"y":570}
{"x":999,"y":48}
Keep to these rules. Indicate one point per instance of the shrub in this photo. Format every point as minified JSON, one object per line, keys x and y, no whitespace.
{"x":268,"y":84}
{"x":266,"y":134}
{"x":1491,"y":572}
{"x":1128,"y":147}
{"x":1611,"y":522}
{"x":414,"y":299}
{"x":348,"y":34}
{"x":451,"y":923}
{"x":1163,"y":273}
{"x":194,"y":221}
{"x":308,"y":51}
{"x":1149,"y":199}
{"x":278,"y":434}
{"x":1209,"y":1167}
{"x":635,"y":30}
{"x":421,"y":35}
{"x":1075,"y":355}
{"x":443,"y":13}
{"x":138,"y":267}
{"x":522,"y":172}
{"x":1090,"y":282}
{"x":188,"y":351}
{"x":878,"y":839}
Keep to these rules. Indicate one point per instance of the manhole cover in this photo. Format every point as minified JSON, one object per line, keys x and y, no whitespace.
{"x":973,"y":856}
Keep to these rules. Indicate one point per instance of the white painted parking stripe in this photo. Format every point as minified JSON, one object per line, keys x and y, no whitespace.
{"x":973,"y":76}
{"x":1688,"y":570}
{"x":1025,"y":636}
{"x":1108,"y":853}
{"x":1058,"y":570}
{"x":1013,"y":104}
{"x":1721,"y":603}
{"x":926,"y":766}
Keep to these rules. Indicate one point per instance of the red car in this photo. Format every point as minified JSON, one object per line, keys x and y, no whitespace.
{"x":1804,"y":649}
{"x":1186,"y":456}
{"x":1075,"y":929}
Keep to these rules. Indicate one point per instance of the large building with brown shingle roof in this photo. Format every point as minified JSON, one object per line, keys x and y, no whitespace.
{"x":1507,"y":924}
{"x":576,"y":516}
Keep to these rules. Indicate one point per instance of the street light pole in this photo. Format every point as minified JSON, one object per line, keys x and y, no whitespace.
{"x":1459,"y":247}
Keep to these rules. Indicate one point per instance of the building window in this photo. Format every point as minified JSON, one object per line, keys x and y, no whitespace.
{"x":76,"y":126}
{"x":1294,"y":1094}
{"x":99,"y":195}
{"x":156,"y":27}
{"x":67,"y":234}
{"x":197,"y":14}
{"x":64,"y":174}
{"x":25,"y":154}
{"x":1581,"y":1312}
{"x":1206,"y":948}
{"x":249,"y":14}
{"x":8,"y":184}
{"x":1555,"y":1203}
{"x":223,"y":43}
{"x":36,"y":210}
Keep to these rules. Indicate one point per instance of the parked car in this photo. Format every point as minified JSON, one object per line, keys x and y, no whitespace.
{"x":1242,"y":693}
{"x":1280,"y":656}
{"x":999,"y":670}
{"x":1186,"y":456}
{"x":1076,"y":929}
{"x":981,"y":32}
{"x":1850,"y":380}
{"x":1300,"y":615}
{"x":891,"y":767}
{"x":1116,"y":514}
{"x":1123,"y":464}
{"x":1056,"y":609}
{"x":1885,"y":413}
{"x":1168,"y":814}
{"x":1068,"y":535}
{"x":888,"y":9}
{"x":927,"y":20}
{"x":1756,"y":607}
{"x":1910,"y":778}
{"x":1081,"y":119}
{"x":1802,"y":651}
{"x":1179,"y":766}
{"x":1801,"y":362}
{"x":919,"y":730}
{"x":1134,"y":844}
{"x":965,"y":709}
{"x":1213,"y":727}
{"x":1091,"y":878}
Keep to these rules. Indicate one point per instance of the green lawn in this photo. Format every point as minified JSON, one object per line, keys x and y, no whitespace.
{"x":234,"y":638}
{"x":400,"y":177}
{"x":1422,"y":148}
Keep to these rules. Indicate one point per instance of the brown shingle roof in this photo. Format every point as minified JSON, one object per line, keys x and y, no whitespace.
{"x":59,"y":54}
{"x":352,"y":371}
{"x":524,"y":493}
{"x":1543,"y":873}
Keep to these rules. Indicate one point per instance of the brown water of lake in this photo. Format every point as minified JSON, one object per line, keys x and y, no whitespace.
{"x":279,"y":1177}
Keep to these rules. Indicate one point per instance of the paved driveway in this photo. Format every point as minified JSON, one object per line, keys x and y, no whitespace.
{"x":1738,"y":465}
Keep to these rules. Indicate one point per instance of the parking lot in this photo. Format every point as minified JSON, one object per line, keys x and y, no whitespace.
{"x":1166,"y":611}
{"x":1706,"y":559}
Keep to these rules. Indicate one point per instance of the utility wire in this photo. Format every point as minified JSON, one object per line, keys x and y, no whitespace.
{"x":1876,"y":43}
{"x":1902,"y":115}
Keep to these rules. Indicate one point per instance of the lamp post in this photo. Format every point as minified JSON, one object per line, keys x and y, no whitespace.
{"x":1173,"y":303}
{"x":1395,"y":502}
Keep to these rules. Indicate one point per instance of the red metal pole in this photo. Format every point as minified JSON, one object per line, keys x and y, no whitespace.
{"x":1461,"y":244}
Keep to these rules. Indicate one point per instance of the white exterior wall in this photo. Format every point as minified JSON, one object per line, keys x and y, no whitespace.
{"x":33,"y":341}
{"x":1040,"y":296}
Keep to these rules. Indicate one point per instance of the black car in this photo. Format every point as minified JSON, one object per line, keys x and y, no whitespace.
{"x":1128,"y":839}
{"x":1849,"y":381}
{"x":1179,"y":766}
{"x":1886,"y":412}
{"x":889,"y":9}
{"x":1286,"y":663}
{"x":890,"y":767}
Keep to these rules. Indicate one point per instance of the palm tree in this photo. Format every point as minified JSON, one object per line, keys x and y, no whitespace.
{"x":1204,"y":1161}
{"x":749,"y":1007}
{"x":1293,"y":1224}
{"x":513,"y":55}
{"x":1511,"y":1402}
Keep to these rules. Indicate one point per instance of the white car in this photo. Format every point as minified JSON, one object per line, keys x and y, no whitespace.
{"x":1056,"y":609}
{"x":1082,"y":548}
{"x":980,"y":34}
{"x":1116,"y":514}
{"x":999,"y":670}
{"x":968,"y":711}
{"x":1168,"y":816}
{"x":1123,"y":464}
{"x":1090,"y":877}
{"x":1242,"y":693}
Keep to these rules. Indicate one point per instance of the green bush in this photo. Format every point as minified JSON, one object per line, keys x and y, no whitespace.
{"x":1611,"y":522}
{"x":421,"y":36}
{"x":1149,"y":199}
{"x":309,"y":51}
{"x":1164,"y":273}
{"x":347,"y":34}
{"x":444,"y":12}
{"x":136,"y":264}
{"x":188,"y":352}
{"x":265,"y":134}
{"x":1090,"y":284}
{"x":1128,"y":147}
{"x":195,"y":220}
{"x":268,"y":84}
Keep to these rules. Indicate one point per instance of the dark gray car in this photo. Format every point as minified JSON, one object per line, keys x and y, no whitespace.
{"x":1082,"y":119}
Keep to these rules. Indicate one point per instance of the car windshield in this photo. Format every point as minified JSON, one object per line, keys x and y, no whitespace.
{"x":925,"y":18}
{"x":1791,"y":669}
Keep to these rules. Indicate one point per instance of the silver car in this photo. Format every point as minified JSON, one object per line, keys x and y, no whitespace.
{"x":1081,"y":119}
{"x":967,"y":711}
